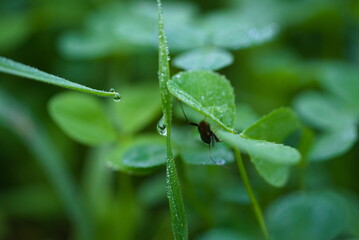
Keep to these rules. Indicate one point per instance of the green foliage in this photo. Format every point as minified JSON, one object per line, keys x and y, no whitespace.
{"x":271,"y":160}
{"x":206,"y":92}
{"x":275,"y":54}
{"x":19,"y":69}
{"x":192,"y":150}
{"x":203,"y":59}
{"x":320,"y":215}
{"x":82,"y":117}
{"x":274,"y":127}
{"x":140,"y":156}
{"x":261,"y":141}
{"x":140,"y":107}
{"x":41,"y":146}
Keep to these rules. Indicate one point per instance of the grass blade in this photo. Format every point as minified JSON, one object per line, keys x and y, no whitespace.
{"x":177,"y":210}
{"x":15,"y":68}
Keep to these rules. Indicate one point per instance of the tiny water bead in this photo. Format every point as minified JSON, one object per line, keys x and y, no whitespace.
{"x":161,"y":127}
{"x":117,"y":97}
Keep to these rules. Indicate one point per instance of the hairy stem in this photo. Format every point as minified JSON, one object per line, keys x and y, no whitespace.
{"x":174,"y":194}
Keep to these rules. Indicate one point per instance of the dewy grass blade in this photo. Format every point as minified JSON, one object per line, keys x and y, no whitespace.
{"x":15,"y":68}
{"x":178,"y":215}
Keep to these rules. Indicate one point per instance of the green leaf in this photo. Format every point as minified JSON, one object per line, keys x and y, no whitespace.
{"x":271,"y":159}
{"x":327,"y":114}
{"x":245,"y":117}
{"x":140,"y":156}
{"x":145,"y":155}
{"x":206,"y":92}
{"x":19,"y":69}
{"x":15,"y":28}
{"x":233,"y":30}
{"x":140,"y":106}
{"x":322,"y":111}
{"x":332,"y":144}
{"x":319,"y":215}
{"x":220,"y":155}
{"x":275,"y":174}
{"x":274,"y":127}
{"x":268,"y":151}
{"x":224,"y":234}
{"x":75,"y":45}
{"x":203,"y":59}
{"x":82,"y":117}
{"x":341,"y":79}
{"x":193,"y":150}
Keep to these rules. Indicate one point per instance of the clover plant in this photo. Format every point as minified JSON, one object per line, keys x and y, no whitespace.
{"x":140,"y":146}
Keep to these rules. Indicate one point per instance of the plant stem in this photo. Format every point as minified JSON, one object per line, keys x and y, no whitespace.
{"x":174,"y":194}
{"x":247,"y":185}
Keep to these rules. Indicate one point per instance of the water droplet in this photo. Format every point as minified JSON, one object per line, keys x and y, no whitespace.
{"x":161,"y":127}
{"x":117,"y":97}
{"x":220,"y":161}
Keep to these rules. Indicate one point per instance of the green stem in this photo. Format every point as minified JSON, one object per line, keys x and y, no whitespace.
{"x":247,"y":185}
{"x":177,"y":210}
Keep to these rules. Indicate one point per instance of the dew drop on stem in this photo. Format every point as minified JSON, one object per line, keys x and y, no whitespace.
{"x":161,"y":127}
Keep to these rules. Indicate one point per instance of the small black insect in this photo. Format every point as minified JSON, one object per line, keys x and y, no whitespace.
{"x":207,"y":135}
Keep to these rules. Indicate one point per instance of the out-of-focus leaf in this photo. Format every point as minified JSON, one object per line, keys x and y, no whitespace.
{"x":245,"y":117}
{"x":42,"y":201}
{"x":333,"y":143}
{"x":199,"y":154}
{"x":323,"y":111}
{"x":274,"y":127}
{"x":342,"y":80}
{"x":14,"y":30}
{"x":327,"y":114}
{"x":206,"y":92}
{"x":203,"y":59}
{"x":139,"y":107}
{"x":86,"y":45}
{"x":82,"y":117}
{"x":310,"y":216}
{"x":193,"y":150}
{"x":141,"y":156}
{"x":223,"y":234}
{"x":33,"y":134}
{"x":153,"y":191}
{"x":119,"y":28}
{"x":232,"y":29}
{"x":3,"y":227}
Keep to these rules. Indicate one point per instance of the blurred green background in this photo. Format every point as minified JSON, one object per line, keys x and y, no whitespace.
{"x":298,"y":53}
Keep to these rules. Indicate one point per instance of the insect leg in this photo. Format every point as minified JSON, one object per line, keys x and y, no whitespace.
{"x":191,"y":123}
